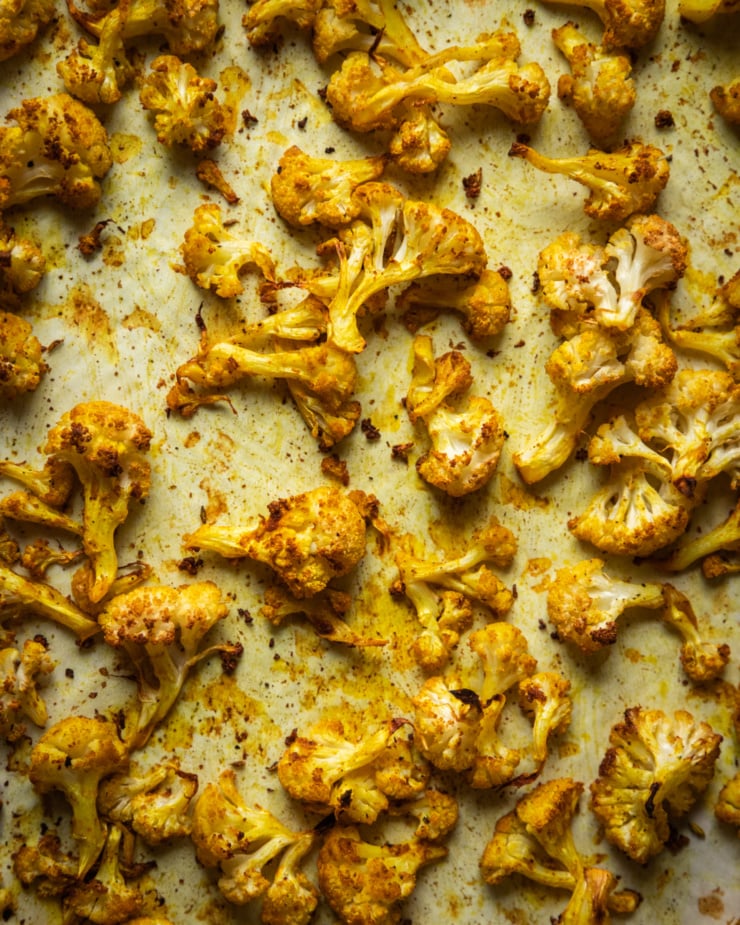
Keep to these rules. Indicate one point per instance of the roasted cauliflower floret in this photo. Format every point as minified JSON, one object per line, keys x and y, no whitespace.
{"x":265,"y":17}
{"x":21,"y":357}
{"x":446,"y":723}
{"x":307,"y":189}
{"x":99,"y":73}
{"x":726,"y":97}
{"x":240,"y":840}
{"x":185,"y":106}
{"x":622,"y":182}
{"x":714,"y":546}
{"x":57,"y":147}
{"x":156,"y":803}
{"x":584,"y":603}
{"x":699,"y":11}
{"x":627,"y":23}
{"x":599,"y":87}
{"x":21,"y":672}
{"x":20,"y":595}
{"x":22,"y":266}
{"x":727,"y":807}
{"x":161,"y":628}
{"x":372,"y":26}
{"x":329,"y":771}
{"x":545,"y":698}
{"x":654,"y":770}
{"x":74,"y":756}
{"x":20,"y":23}
{"x":702,"y":660}
{"x":363,"y":883}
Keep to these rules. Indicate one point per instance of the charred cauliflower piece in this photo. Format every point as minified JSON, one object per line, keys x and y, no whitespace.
{"x":727,"y":808}
{"x":20,"y":23}
{"x":308,"y":539}
{"x":20,"y":699}
{"x":57,"y":147}
{"x":726,"y":97}
{"x":621,"y":183}
{"x":74,"y":756}
{"x":22,"y":266}
{"x":185,"y":107}
{"x":161,"y":629}
{"x":21,"y":357}
{"x":655,"y":769}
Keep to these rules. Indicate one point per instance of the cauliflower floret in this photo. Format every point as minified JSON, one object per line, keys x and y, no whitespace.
{"x":355,"y":780}
{"x":20,"y":23}
{"x":73,"y":756}
{"x":366,"y":883}
{"x":599,"y":87}
{"x":699,"y":11}
{"x":622,"y":182}
{"x":654,"y":770}
{"x":484,"y":303}
{"x":241,"y":840}
{"x":20,"y":674}
{"x":727,"y":807}
{"x":186,"y":109}
{"x":504,"y":657}
{"x":21,"y":357}
{"x":161,"y":629}
{"x":57,"y":147}
{"x":627,"y":23}
{"x":373,"y":26}
{"x":702,"y":661}
{"x":46,"y":862}
{"x":99,"y":73}
{"x":584,"y":603}
{"x":308,"y":539}
{"x":726,"y":97}
{"x":22,"y":266}
{"x":545,"y":698}
{"x":307,"y":189}
{"x":19,"y":595}
{"x":264,"y":16}
{"x":155,"y":803}
{"x":446,"y":723}
{"x":214,"y":257}
{"x":712,"y":546}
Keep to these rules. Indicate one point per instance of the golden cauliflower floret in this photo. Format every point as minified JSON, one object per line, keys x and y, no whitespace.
{"x":57,"y":147}
{"x":446,"y":723}
{"x":21,"y":672}
{"x":99,"y":73}
{"x":627,"y":23}
{"x":727,"y":807}
{"x":699,"y":11}
{"x":265,"y":18}
{"x":22,"y":266}
{"x":20,"y":23}
{"x":655,"y":769}
{"x":308,"y":539}
{"x":185,"y":107}
{"x":21,"y":357}
{"x":726,"y":99}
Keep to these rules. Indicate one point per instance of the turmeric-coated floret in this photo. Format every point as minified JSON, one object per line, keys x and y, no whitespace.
{"x":241,"y":841}
{"x":20,"y":23}
{"x":56,"y":147}
{"x":621,"y":182}
{"x":99,"y":73}
{"x":307,"y":189}
{"x":599,"y":87}
{"x":700,"y":11}
{"x":21,"y":357}
{"x":727,"y":807}
{"x":714,"y":546}
{"x":264,"y":18}
{"x":74,"y":756}
{"x":545,"y":698}
{"x":185,"y":106}
{"x":20,"y":595}
{"x":373,"y":26}
{"x":364,"y":883}
{"x":22,"y":266}
{"x":21,"y":672}
{"x":627,"y":23}
{"x":702,"y":660}
{"x":726,"y":97}
{"x":162,"y":628}
{"x":307,"y":539}
{"x":504,"y":656}
{"x":655,"y":769}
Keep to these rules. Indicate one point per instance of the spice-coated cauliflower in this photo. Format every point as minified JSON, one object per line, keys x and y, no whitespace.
{"x":20,"y":23}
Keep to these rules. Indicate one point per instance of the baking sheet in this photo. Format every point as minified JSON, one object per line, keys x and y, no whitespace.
{"x":124,"y":319}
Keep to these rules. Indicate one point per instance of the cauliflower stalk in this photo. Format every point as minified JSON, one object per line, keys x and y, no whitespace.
{"x":20,"y":595}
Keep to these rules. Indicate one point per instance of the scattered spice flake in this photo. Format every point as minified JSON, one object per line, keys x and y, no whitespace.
{"x":302,"y":123}
{"x":520,"y":343}
{"x":190,"y":565}
{"x":472,"y":184}
{"x":209,"y":174}
{"x":336,"y":468}
{"x":505,"y":273}
{"x":90,"y":243}
{"x":664,"y":119}
{"x":369,"y":429}
{"x":245,"y":615}
{"x":528,"y":17}
{"x":248,"y":119}
{"x":401,"y":451}
{"x":535,"y":281}
{"x":230,"y":657}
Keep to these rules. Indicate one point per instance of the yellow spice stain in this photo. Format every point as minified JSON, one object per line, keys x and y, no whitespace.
{"x":234,"y":83}
{"x":83,"y":311}
{"x":140,"y":318}
{"x":633,"y":655}
{"x":216,"y":504}
{"x":518,"y":496}
{"x":712,"y":905}
{"x":192,"y":439}
{"x":141,"y":231}
{"x":123,"y":147}
{"x":225,"y":702}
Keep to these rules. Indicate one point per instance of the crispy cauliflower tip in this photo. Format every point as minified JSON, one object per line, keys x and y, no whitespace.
{"x":19,"y":596}
{"x":504,"y":657}
{"x":156,"y":803}
{"x":20,"y":23}
{"x":241,"y":840}
{"x":56,"y":147}
{"x":654,"y":770}
{"x":702,"y":660}
{"x":699,"y":11}
{"x":74,"y":756}
{"x":265,"y":17}
{"x":161,"y":628}
{"x":599,"y":87}
{"x":374,"y":26}
{"x":727,"y":807}
{"x":446,"y":723}
{"x":627,"y":23}
{"x":215,"y":258}
{"x":622,"y":182}
{"x":483,"y":303}
{"x":99,"y":73}
{"x":21,"y":357}
{"x":584,"y":603}
{"x":726,"y":97}
{"x":106,"y":445}
{"x":20,"y":675}
{"x":22,"y":266}
{"x":364,"y":883}
{"x":308,"y":539}
{"x":185,"y":107}
{"x":187,"y":25}
{"x":308,"y":190}
{"x":355,"y":780}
